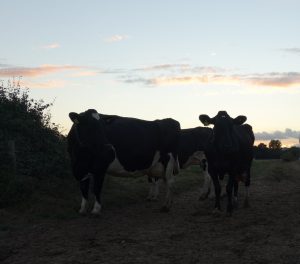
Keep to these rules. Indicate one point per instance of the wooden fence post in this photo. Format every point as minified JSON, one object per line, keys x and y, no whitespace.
{"x":12,"y":154}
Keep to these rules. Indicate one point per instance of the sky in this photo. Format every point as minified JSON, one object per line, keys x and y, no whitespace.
{"x":160,"y":58}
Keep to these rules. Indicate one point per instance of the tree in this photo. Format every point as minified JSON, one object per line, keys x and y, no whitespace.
{"x":275,"y":144}
{"x":262,"y":146}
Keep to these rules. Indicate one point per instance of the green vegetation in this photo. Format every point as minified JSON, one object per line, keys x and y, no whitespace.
{"x":32,"y":151}
{"x":291,"y":154}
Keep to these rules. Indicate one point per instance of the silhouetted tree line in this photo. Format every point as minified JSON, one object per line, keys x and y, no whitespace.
{"x":275,"y":151}
{"x":39,"y":147}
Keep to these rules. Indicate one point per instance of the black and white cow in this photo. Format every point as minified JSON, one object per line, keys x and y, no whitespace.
{"x":192,"y":146}
{"x":100,"y":144}
{"x":193,"y":143}
{"x":230,"y":152}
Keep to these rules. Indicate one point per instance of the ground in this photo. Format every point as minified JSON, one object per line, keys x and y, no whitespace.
{"x":137,"y":232}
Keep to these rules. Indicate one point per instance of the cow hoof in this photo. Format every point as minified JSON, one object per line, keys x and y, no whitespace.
{"x":165,"y":209}
{"x":216,"y":212}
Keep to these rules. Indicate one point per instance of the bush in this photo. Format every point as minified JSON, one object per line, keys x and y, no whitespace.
{"x":40,"y":148}
{"x":291,"y":154}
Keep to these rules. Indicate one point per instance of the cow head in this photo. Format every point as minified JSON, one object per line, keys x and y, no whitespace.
{"x":89,"y":129}
{"x":224,"y":137}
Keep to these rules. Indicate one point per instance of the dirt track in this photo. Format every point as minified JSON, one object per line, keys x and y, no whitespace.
{"x":268,"y":232}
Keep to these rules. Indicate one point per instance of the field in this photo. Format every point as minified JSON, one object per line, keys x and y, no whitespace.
{"x":131,"y":230}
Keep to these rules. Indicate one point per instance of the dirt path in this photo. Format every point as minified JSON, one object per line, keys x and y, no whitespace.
{"x":268,"y":232}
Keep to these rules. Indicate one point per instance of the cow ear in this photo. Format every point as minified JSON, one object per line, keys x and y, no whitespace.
{"x":74,"y":117}
{"x":239,"y":120}
{"x":205,"y":119}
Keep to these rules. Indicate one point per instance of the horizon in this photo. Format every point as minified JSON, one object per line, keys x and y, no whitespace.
{"x":159,"y":59}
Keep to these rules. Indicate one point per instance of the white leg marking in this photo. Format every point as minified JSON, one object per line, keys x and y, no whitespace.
{"x":212,"y":193}
{"x":169,"y":182}
{"x":83,"y":206}
{"x":97,"y":208}
{"x":206,"y":185}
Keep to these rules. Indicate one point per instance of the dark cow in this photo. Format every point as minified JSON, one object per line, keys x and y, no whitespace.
{"x":193,"y":143}
{"x":230,"y":152}
{"x":100,"y":144}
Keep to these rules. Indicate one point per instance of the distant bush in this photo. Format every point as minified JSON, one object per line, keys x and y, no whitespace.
{"x":291,"y":154}
{"x":40,"y":148}
{"x":266,"y":153}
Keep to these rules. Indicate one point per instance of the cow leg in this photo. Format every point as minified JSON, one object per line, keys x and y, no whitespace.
{"x":98,"y":183}
{"x":106,"y":156}
{"x":169,"y":180}
{"x":217,"y":188}
{"x":84,"y":187}
{"x":235,"y":193}
{"x":229,"y":189}
{"x":206,"y":189}
{"x":153,"y":189}
{"x":247,"y":185}
{"x":212,"y":192}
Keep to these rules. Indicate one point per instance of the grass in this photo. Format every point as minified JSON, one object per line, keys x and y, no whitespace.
{"x":55,"y":198}
{"x":276,"y":170}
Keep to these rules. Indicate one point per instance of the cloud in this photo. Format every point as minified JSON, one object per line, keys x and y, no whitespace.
{"x":288,"y":133}
{"x":116,"y":38}
{"x":214,"y":75}
{"x":292,"y":50}
{"x":51,"y":46}
{"x":276,"y":79}
{"x":36,"y":71}
{"x":44,"y":84}
{"x":3,"y":65}
{"x":84,"y":73}
{"x":181,"y":68}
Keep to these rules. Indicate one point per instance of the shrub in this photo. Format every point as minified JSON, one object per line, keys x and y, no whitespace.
{"x":291,"y":154}
{"x":40,"y":147}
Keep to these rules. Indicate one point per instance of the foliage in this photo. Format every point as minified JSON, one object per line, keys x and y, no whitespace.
{"x":275,"y":144}
{"x":262,"y":152}
{"x":291,"y":154}
{"x":261,"y":146}
{"x":40,"y":148}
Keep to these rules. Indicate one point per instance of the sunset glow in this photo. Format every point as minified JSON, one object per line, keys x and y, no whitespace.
{"x":157,"y":59}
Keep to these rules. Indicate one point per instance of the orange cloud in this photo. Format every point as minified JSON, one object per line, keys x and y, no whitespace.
{"x":46,"y":85}
{"x":283,"y":80}
{"x":84,"y":73}
{"x":35,"y":71}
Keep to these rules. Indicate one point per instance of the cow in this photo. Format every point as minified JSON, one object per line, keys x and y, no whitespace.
{"x":193,"y":143}
{"x":230,"y":151}
{"x":100,"y":144}
{"x":192,"y":146}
